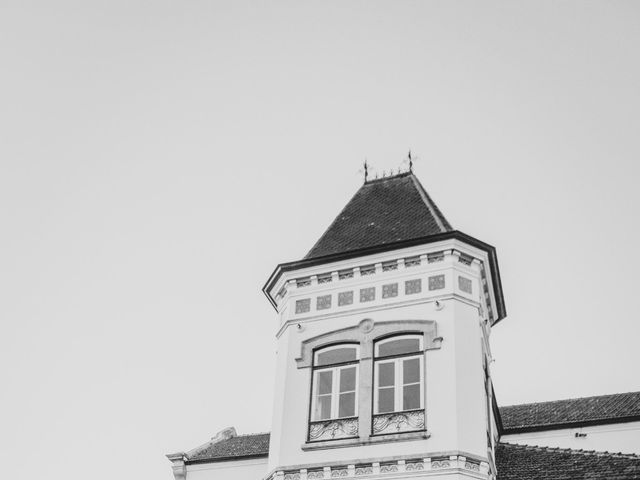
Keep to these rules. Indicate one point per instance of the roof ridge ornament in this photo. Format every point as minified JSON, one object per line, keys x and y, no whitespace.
{"x":365,"y":170}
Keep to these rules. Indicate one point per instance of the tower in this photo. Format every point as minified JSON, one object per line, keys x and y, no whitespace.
{"x":383,"y":344}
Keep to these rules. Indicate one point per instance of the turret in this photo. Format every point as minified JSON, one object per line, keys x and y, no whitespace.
{"x":383,"y":343}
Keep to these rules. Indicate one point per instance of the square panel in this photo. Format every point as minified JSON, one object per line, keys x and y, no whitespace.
{"x":413,"y":286}
{"x":464,"y":284}
{"x":390,"y":290}
{"x":367,"y":294}
{"x":436,"y":282}
{"x":303,"y":306}
{"x":323,"y":302}
{"x":345,"y":298}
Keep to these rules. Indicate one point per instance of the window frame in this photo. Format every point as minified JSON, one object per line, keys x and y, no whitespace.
{"x":397,"y":360}
{"x":336,"y":369}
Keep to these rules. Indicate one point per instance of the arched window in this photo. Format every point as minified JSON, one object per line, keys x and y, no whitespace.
{"x":335,"y":382}
{"x":399,"y":383}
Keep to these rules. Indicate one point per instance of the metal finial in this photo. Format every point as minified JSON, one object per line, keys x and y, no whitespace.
{"x":410,"y":162}
{"x":366,"y":170}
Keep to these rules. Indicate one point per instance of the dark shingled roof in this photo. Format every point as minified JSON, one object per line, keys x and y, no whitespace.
{"x":603,"y":409}
{"x":520,"y":462}
{"x":234,"y":448}
{"x":382,"y":211}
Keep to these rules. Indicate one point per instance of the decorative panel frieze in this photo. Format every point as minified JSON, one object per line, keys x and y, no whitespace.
{"x":389,"y":468}
{"x":466,"y":259}
{"x":303,"y":306}
{"x":472,"y":466}
{"x":398,"y":422}
{"x":367,"y":270}
{"x":303,"y":282}
{"x":389,"y":266}
{"x":390,"y":290}
{"x":345,"y":274}
{"x":345,"y":298}
{"x":414,"y":466}
{"x":464,"y":284}
{"x":323,"y":302}
{"x":364,"y":470}
{"x":436,"y":282}
{"x":435,"y":257}
{"x":412,"y":261}
{"x":333,"y":429}
{"x":412,"y":286}
{"x":367,"y":294}
{"x":325,"y":278}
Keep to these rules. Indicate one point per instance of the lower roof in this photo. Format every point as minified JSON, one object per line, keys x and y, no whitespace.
{"x":573,"y":412}
{"x":522,"y":462}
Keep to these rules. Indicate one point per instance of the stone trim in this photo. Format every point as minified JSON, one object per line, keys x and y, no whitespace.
{"x":365,"y":333}
{"x":440,"y":463}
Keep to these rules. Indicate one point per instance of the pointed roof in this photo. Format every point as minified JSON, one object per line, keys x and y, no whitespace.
{"x":385,"y":210}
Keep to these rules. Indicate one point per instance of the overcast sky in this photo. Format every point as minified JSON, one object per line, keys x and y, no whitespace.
{"x":159,"y":158}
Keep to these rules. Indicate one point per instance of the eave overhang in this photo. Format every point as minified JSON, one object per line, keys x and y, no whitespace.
{"x":567,"y":425}
{"x":452,"y":235}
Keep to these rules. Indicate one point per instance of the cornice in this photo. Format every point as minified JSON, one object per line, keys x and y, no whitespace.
{"x":453,"y":235}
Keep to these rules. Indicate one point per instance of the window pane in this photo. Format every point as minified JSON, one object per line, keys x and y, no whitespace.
{"x":385,"y":400}
{"x":323,"y":408}
{"x":396,"y":347}
{"x":325,"y":380}
{"x":411,"y":397}
{"x":386,"y":374}
{"x":411,"y":372}
{"x":336,"y":355}
{"x":348,"y":379}
{"x":347,"y":407}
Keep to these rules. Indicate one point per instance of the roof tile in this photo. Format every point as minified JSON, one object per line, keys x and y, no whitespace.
{"x":587,"y":410}
{"x":382,"y":211}
{"x":522,"y":462}
{"x":234,"y":448}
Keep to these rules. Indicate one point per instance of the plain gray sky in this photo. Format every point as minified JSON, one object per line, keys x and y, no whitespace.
{"x":159,"y":158}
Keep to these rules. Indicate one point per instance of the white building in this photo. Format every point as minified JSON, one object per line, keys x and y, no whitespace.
{"x":383,"y":365}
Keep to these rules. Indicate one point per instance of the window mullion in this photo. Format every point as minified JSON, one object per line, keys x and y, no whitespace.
{"x":335,"y":395}
{"x":399,"y":379}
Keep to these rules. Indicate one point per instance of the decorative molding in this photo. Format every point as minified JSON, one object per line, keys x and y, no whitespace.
{"x":412,"y":261}
{"x":453,"y":463}
{"x":333,"y":429}
{"x":364,"y":334}
{"x":367,"y":270}
{"x":398,"y":422}
{"x":390,"y":266}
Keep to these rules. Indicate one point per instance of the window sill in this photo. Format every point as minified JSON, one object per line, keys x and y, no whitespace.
{"x":357,"y":442}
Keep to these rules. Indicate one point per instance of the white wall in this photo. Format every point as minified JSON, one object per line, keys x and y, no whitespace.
{"x":254,"y":469}
{"x":621,"y":437}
